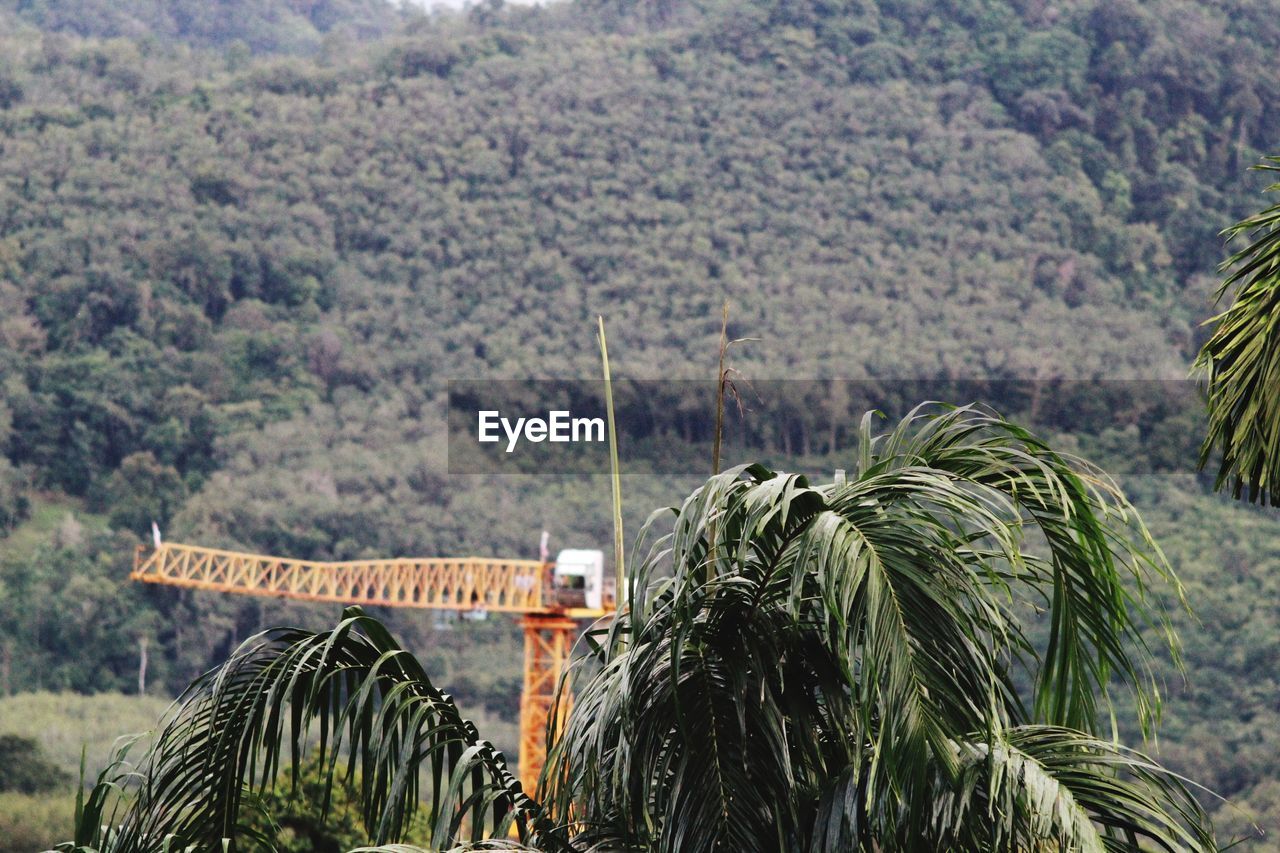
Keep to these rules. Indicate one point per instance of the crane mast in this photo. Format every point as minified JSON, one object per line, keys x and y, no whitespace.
{"x":550,"y":612}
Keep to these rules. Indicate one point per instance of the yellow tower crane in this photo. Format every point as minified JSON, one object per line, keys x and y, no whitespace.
{"x":552,"y":599}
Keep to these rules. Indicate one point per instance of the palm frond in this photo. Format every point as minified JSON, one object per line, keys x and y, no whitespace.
{"x":1046,"y":787}
{"x":799,"y":662}
{"x":1241,"y":362}
{"x":350,"y":691}
{"x":1100,"y":555}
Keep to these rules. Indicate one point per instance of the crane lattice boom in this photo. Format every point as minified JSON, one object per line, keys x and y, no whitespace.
{"x":525,"y":587}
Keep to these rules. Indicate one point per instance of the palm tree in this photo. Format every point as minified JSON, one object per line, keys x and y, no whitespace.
{"x":913,"y":657}
{"x":1241,"y":361}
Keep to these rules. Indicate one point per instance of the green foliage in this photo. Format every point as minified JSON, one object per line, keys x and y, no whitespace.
{"x":34,"y":822}
{"x":802,"y":668}
{"x":1242,"y":364}
{"x":261,"y":25}
{"x":831,"y":667}
{"x":14,"y":503}
{"x":69,"y":725}
{"x":1218,"y":721}
{"x":464,"y":171}
{"x":24,"y":767}
{"x":141,"y":491}
{"x":294,"y":817}
{"x":71,"y":620}
{"x":1051,"y":60}
{"x":258,"y":269}
{"x":229,"y":734}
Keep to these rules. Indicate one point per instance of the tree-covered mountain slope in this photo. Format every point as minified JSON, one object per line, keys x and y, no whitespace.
{"x":181,"y":232}
{"x":232,"y":286}
{"x":261,"y":26}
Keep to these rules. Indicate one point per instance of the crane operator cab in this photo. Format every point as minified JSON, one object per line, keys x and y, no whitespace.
{"x":578,"y":579}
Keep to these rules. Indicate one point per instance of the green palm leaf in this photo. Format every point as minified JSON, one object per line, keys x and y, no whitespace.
{"x":349,"y":691}
{"x":804,"y":660}
{"x":1050,"y":788}
{"x":1241,"y":362}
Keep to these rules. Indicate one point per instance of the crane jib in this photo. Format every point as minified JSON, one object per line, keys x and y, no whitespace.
{"x":530,"y":588}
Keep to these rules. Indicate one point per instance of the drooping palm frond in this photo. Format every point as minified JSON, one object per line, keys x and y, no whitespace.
{"x":1046,"y":787}
{"x":1241,"y":362}
{"x":800,"y":662}
{"x":351,"y":691}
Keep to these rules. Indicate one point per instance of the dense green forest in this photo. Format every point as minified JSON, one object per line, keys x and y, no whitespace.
{"x":242,"y":250}
{"x":261,"y":26}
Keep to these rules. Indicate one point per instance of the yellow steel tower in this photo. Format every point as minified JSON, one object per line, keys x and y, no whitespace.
{"x":551,"y":601}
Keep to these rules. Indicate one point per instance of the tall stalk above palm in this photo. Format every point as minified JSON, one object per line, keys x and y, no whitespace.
{"x":1241,"y":362}
{"x":804,"y":667}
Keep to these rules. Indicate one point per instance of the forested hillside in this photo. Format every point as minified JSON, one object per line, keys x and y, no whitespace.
{"x":243,"y":246}
{"x":260,"y":26}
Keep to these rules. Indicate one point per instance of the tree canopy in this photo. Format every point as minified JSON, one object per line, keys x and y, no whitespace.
{"x":236,"y":270}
